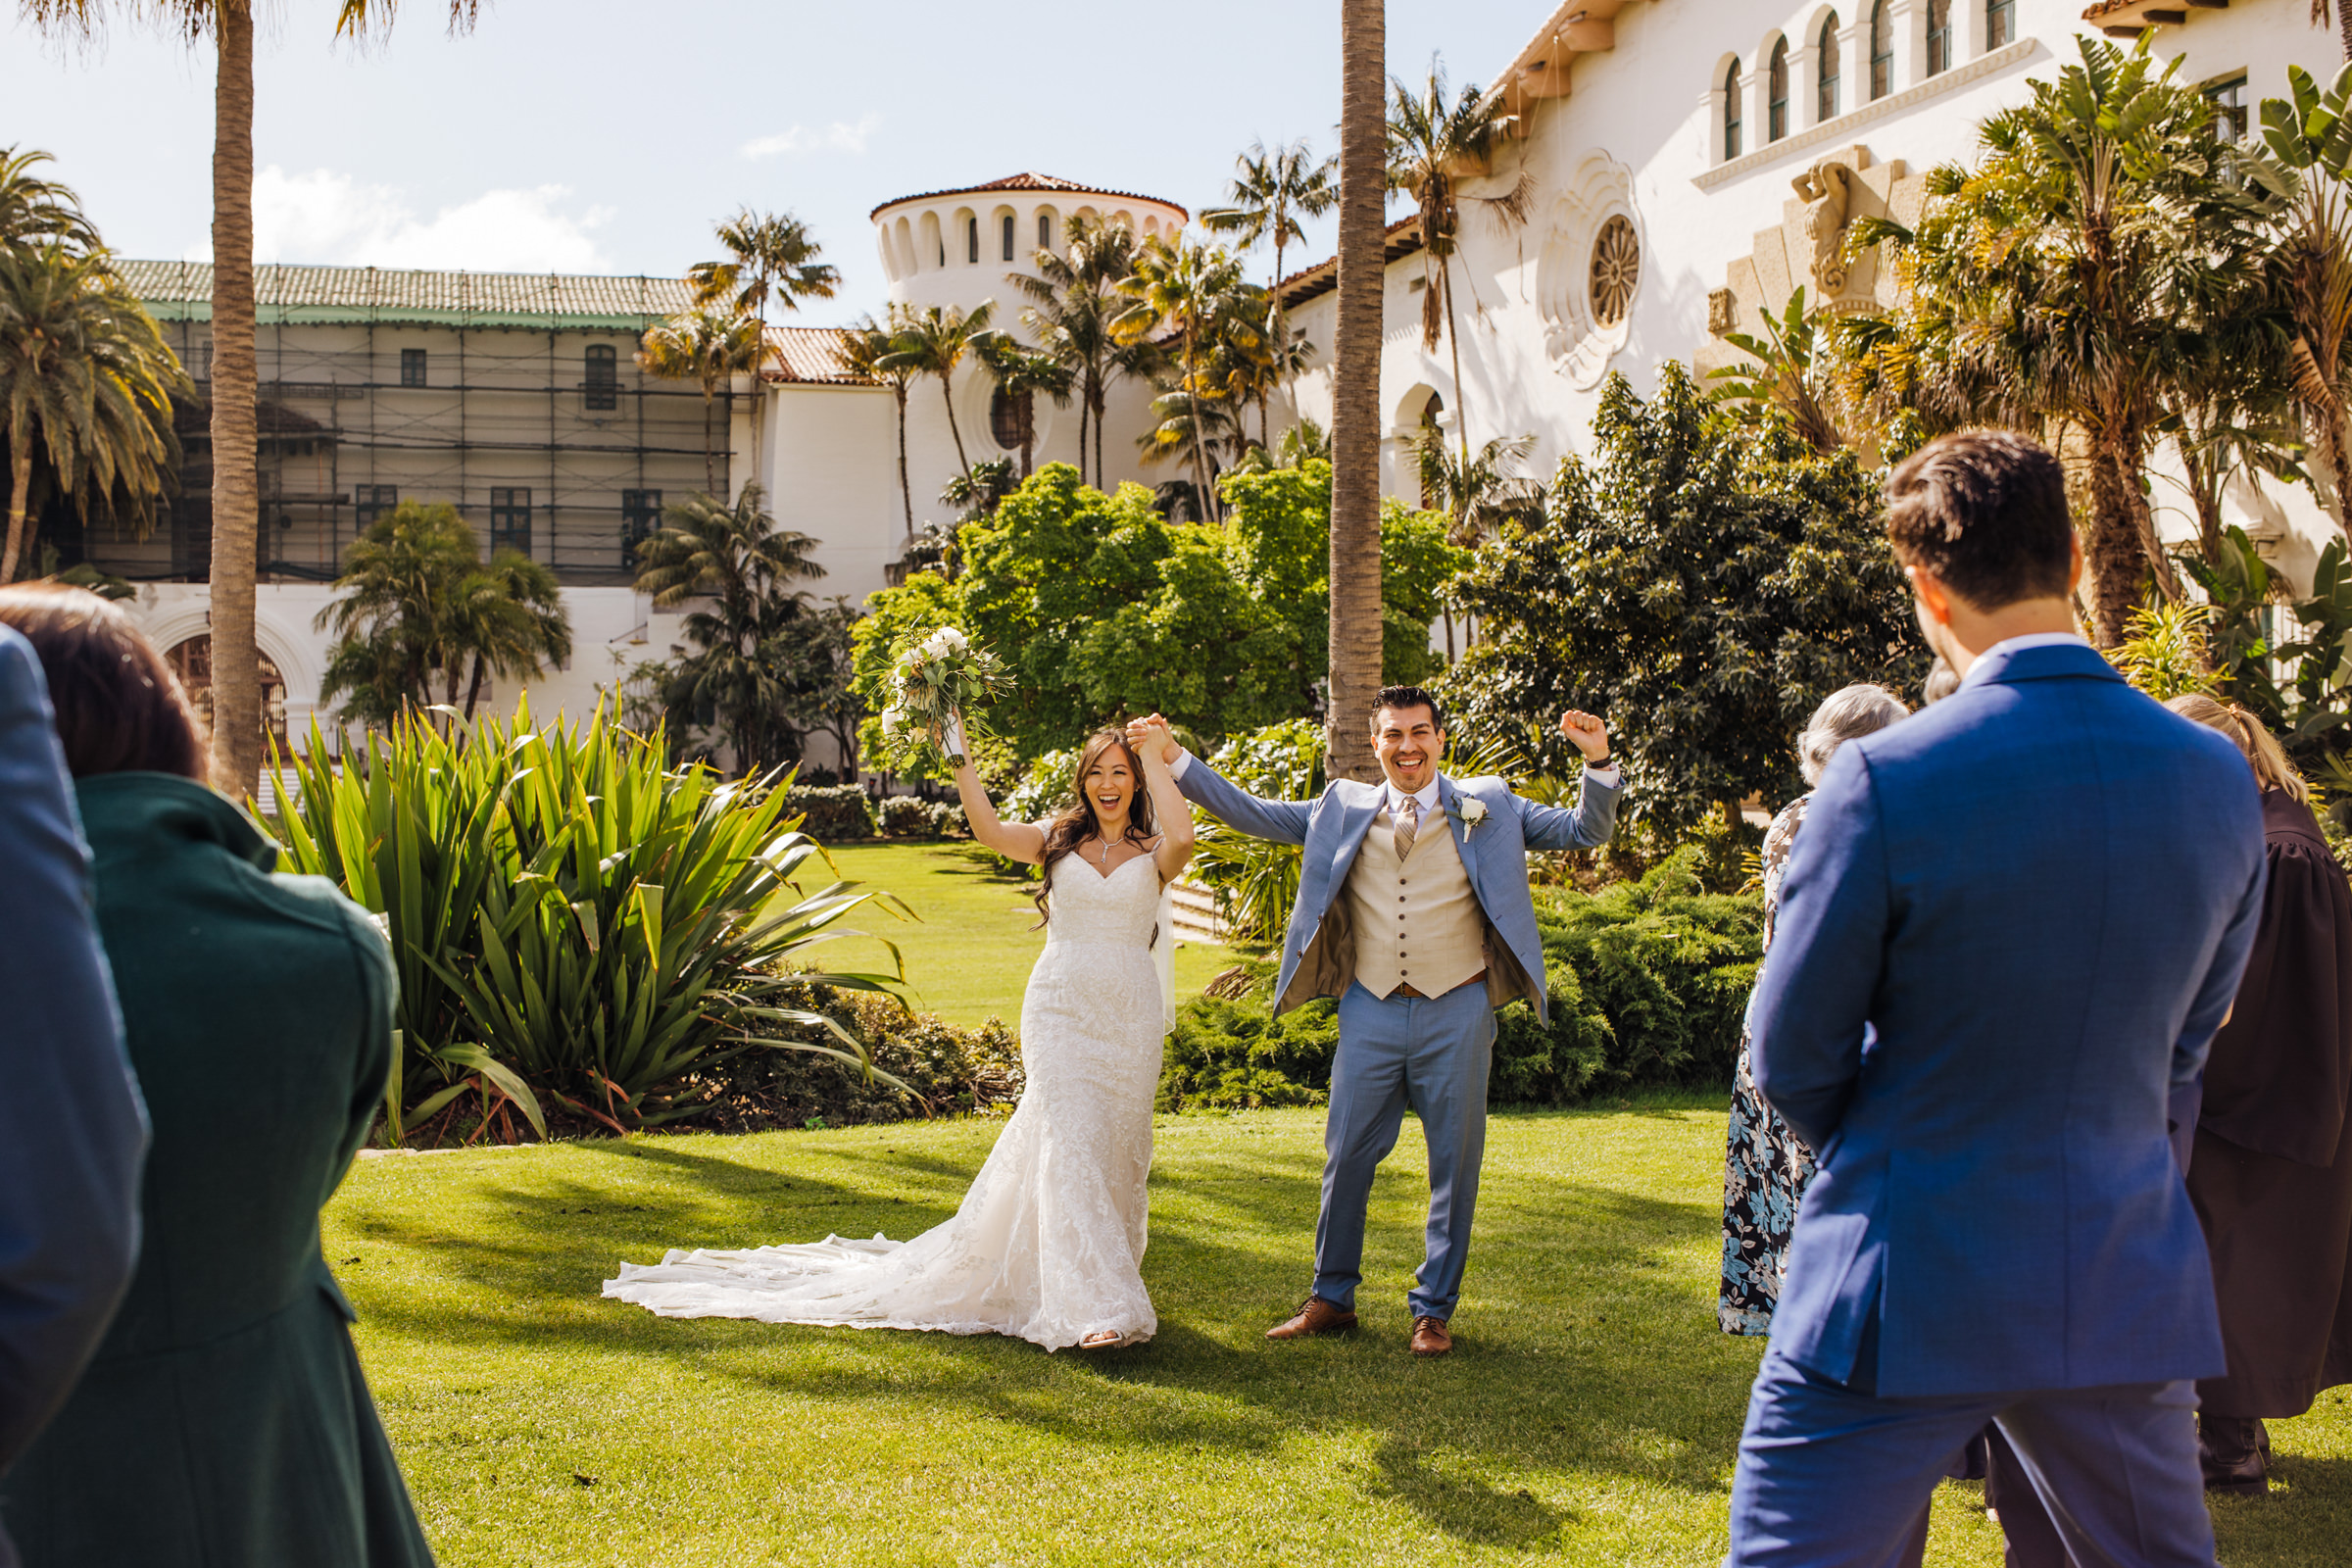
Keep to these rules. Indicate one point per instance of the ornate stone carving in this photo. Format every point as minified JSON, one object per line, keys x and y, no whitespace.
{"x":1828,"y":191}
{"x":1723,"y":312}
{"x":1589,"y":268}
{"x":1616,"y":268}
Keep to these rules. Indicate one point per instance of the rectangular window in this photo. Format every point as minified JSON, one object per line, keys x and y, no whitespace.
{"x":2228,"y":100}
{"x":640,"y":515}
{"x":604,"y":377}
{"x":510,"y":520}
{"x":412,"y":366}
{"x":1939,"y":36}
{"x":1881,"y":52}
{"x":371,"y":501}
{"x":2000,"y":22}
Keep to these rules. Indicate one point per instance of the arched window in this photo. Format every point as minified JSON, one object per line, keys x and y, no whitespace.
{"x":1008,"y":237}
{"x":1776,"y":96}
{"x":1009,"y":416}
{"x":1881,"y":52}
{"x":1939,"y":36}
{"x":1825,"y":53}
{"x":1731,"y":112}
{"x":1044,"y":231}
{"x":2000,"y":22}
{"x":603,"y":368}
{"x":971,"y":240}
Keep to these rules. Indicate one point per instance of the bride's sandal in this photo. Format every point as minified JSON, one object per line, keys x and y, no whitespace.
{"x":1102,"y":1340}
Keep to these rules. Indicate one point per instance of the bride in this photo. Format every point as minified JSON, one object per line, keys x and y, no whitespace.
{"x":1048,"y":1242}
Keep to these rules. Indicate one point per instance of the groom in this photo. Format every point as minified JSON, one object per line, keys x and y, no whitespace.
{"x":1413,"y":910}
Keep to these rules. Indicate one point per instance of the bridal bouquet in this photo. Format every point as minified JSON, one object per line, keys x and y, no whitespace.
{"x":935,"y":687}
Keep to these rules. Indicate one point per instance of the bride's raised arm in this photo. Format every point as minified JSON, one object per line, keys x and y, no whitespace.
{"x":1169,"y":811}
{"x":1016,"y":841}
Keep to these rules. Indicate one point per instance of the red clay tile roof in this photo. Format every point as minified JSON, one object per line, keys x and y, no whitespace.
{"x":811,"y":355}
{"x":1404,"y":238}
{"x":1032,"y":182}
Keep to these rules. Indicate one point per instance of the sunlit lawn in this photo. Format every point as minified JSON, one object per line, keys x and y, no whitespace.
{"x":1589,"y":1415}
{"x":970,"y":954}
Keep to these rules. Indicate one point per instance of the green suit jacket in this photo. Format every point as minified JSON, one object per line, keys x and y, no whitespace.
{"x":224,"y":1420}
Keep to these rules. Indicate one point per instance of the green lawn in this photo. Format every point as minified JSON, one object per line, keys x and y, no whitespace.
{"x":969,"y":952}
{"x":1588,"y":1416}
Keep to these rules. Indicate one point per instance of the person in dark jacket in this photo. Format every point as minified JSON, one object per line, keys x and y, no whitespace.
{"x":224,"y":1418}
{"x":2271,"y":1171}
{"x":72,"y":1132}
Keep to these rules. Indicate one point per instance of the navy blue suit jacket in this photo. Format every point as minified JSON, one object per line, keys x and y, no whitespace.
{"x":72,"y":1131}
{"x":2009,"y":924}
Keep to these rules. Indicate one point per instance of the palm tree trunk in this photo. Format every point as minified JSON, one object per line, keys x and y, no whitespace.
{"x":473,"y":688}
{"x":1355,"y":393}
{"x":1101,"y":412}
{"x":2113,"y":548}
{"x":2317,"y":392}
{"x":710,"y":462}
{"x":945,"y":395}
{"x":1201,"y":501}
{"x":905,"y":490}
{"x":1086,"y":415}
{"x":1453,"y":342}
{"x":236,"y":499}
{"x":19,"y":499}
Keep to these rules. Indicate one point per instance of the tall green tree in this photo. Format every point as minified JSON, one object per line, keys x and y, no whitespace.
{"x":236,"y":491}
{"x":867,"y":349}
{"x":708,"y":346}
{"x":749,"y":569}
{"x":86,"y":383}
{"x":1189,"y":290}
{"x":1024,"y":376}
{"x":1355,"y":612}
{"x":1434,"y":141}
{"x":769,"y":256}
{"x":1073,"y":299}
{"x":933,"y":341}
{"x":1271,"y":192}
{"x":2309,"y":268}
{"x":1715,"y":579}
{"x":508,"y":619}
{"x":2057,"y":283}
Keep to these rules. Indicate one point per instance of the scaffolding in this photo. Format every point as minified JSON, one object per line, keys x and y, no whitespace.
{"x":514,"y":397}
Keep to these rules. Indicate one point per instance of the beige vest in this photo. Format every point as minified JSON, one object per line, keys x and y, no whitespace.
{"x":1417,"y":921}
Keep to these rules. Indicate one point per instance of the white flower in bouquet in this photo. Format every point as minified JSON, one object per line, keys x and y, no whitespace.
{"x":935,"y":683}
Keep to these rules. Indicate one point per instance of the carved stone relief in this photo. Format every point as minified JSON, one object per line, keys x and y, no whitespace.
{"x":1589,"y":269}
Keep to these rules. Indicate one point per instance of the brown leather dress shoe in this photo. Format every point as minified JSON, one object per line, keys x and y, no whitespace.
{"x":1429,"y":1337}
{"x":1316,"y":1316}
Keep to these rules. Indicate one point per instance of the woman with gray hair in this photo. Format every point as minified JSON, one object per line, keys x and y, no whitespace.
{"x":1766,"y":1166}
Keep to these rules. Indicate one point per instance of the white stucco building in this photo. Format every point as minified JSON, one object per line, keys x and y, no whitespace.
{"x":1690,"y":162}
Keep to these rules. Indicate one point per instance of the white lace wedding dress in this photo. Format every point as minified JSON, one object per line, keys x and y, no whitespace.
{"x":1048,"y":1242}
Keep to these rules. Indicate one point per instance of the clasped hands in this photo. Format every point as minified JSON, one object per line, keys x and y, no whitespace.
{"x":1585,"y":731}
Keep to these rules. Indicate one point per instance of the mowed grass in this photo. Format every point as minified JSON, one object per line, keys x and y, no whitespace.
{"x":969,"y":951}
{"x":1588,"y":1414}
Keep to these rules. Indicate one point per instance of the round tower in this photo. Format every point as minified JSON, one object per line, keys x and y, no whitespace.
{"x":956,"y":247}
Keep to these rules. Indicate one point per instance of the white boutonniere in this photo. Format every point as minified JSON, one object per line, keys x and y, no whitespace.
{"x":1469,"y":811}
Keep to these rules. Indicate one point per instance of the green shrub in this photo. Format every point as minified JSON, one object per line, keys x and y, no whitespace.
{"x":833,"y":814}
{"x":1256,"y":881}
{"x":948,"y":821}
{"x":1044,"y":789}
{"x":904,"y":816}
{"x":1235,"y":1055}
{"x":944,"y":1070}
{"x":570,"y":920}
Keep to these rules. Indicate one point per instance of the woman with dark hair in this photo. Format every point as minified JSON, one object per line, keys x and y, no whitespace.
{"x":224,"y":1419}
{"x":2271,"y":1172}
{"x":1049,"y":1243}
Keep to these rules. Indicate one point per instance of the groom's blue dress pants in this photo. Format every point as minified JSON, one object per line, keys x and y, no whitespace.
{"x":1432,"y":1053}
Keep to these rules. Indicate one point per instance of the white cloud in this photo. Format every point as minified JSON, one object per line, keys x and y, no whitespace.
{"x":324,"y":216}
{"x":838,"y":137}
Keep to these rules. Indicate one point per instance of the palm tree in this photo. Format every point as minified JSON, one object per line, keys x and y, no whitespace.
{"x":866,"y":345}
{"x":1185,"y":288}
{"x":2060,"y":283}
{"x":1023,"y":375}
{"x":933,"y":341}
{"x":1432,"y":140}
{"x":1271,"y":192}
{"x":2308,"y":270}
{"x":33,"y":210}
{"x":236,"y":493}
{"x":86,"y":382}
{"x":1356,"y":603}
{"x":768,"y":253}
{"x":1481,"y":494}
{"x":508,"y":619}
{"x":737,"y":556}
{"x":704,"y":345}
{"x":396,"y":600}
{"x":1073,"y":299}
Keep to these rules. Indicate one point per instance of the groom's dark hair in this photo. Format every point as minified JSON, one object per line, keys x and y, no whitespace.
{"x":1408,"y":697}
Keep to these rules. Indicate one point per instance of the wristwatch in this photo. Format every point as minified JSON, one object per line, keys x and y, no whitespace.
{"x":1609,"y":760}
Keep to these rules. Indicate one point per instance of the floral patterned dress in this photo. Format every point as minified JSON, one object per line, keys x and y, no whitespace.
{"x":1766,"y":1165}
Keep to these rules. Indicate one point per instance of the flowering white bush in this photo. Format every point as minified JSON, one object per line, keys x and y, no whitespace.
{"x":936,"y":688}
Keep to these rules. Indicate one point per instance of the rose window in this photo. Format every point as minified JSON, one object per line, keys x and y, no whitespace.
{"x":1616,"y":268}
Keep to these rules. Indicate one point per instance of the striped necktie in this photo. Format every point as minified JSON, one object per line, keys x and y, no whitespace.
{"x":1408,"y":822}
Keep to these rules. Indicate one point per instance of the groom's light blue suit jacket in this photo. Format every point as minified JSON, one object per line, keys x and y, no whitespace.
{"x":2009,"y":925}
{"x":1331,"y":828}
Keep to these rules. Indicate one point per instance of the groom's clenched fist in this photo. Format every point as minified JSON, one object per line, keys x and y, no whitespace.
{"x":1146,"y":734}
{"x":1586,"y":733}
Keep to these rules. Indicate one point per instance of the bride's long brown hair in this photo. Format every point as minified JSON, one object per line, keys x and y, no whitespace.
{"x":1077,"y":821}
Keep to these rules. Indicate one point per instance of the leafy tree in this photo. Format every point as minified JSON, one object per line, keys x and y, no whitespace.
{"x":2309,"y":710}
{"x":1187,"y":290}
{"x":1701,"y":584}
{"x":86,"y":383}
{"x":1357,"y":624}
{"x":706,"y":345}
{"x":236,"y":491}
{"x":1792,"y":375}
{"x":933,"y":341}
{"x":738,"y":671}
{"x":2308,"y":270}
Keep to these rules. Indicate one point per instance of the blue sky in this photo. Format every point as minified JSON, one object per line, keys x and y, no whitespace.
{"x":597,"y":135}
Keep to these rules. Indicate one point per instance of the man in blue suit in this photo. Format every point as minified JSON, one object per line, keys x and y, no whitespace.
{"x":72,"y":1131}
{"x":2010,"y":926}
{"x":1413,"y":909}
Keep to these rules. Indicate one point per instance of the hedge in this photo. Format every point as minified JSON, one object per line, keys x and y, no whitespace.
{"x":833,"y":812}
